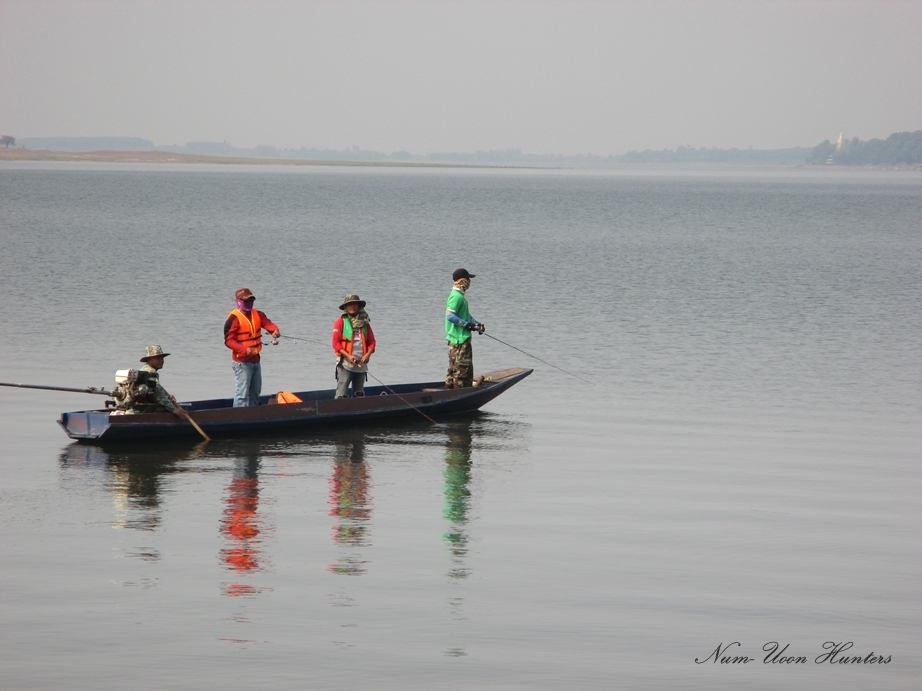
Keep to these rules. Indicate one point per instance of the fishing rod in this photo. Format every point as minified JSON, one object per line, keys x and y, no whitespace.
{"x":90,"y":389}
{"x":572,"y":374}
{"x":305,"y":340}
{"x":391,"y":391}
{"x":386,"y":387}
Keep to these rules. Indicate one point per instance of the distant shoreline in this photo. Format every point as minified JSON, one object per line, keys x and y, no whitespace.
{"x":22,"y":154}
{"x":167,"y":157}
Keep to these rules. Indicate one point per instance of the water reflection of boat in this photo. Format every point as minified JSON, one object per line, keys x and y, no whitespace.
{"x":134,"y":478}
{"x":317,"y":410}
{"x":142,"y":479}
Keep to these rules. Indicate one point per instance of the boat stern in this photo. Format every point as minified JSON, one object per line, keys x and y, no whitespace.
{"x":85,"y":424}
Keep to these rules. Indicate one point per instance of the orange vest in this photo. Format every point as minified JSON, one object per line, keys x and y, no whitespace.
{"x":348,"y":342}
{"x":249,"y":330}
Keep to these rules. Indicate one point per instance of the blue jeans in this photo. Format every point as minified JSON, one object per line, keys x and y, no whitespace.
{"x":249,"y":383}
{"x":344,"y":377}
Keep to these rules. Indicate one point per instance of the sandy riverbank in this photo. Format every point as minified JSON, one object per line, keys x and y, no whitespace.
{"x":22,"y":154}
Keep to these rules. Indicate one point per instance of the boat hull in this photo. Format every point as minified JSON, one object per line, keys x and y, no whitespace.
{"x":317,"y":409}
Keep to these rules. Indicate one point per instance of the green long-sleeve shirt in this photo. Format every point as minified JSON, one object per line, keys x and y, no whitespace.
{"x":160,"y":394}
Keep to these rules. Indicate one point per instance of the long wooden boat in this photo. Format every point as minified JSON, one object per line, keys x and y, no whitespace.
{"x":317,"y":409}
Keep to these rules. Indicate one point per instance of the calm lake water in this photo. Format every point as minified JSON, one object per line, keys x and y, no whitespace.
{"x":743,"y":468}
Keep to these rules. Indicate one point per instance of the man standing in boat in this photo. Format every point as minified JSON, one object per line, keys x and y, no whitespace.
{"x":459,"y":325}
{"x":243,"y":335}
{"x":353,"y":343}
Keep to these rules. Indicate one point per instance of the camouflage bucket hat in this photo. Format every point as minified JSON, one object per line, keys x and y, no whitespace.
{"x":153,"y":351}
{"x":352,"y":297}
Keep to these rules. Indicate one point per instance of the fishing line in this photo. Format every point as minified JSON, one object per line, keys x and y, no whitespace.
{"x":572,"y":374}
{"x":386,"y":387}
{"x":391,"y":391}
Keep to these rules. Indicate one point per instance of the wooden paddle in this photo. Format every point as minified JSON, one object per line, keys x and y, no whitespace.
{"x":183,"y":413}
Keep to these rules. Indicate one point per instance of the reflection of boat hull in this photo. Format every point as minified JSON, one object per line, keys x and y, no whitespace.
{"x":317,"y":409}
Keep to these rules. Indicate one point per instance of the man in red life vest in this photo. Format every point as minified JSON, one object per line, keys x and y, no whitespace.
{"x":243,"y":335}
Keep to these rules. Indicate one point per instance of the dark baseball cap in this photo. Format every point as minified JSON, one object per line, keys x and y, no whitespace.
{"x":244,"y":294}
{"x":461,"y":273}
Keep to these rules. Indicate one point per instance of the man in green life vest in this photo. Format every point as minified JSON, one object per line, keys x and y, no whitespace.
{"x":353,"y":343}
{"x":459,"y":325}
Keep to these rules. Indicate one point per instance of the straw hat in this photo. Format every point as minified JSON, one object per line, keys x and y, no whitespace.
{"x":153,"y":351}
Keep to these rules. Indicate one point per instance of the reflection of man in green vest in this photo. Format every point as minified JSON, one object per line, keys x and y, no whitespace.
{"x":457,"y":495}
{"x":459,"y":323}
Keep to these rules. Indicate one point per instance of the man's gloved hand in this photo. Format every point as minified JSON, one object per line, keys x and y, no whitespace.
{"x":481,"y":328}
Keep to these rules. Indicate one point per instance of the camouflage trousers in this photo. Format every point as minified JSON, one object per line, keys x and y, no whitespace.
{"x":460,"y":365}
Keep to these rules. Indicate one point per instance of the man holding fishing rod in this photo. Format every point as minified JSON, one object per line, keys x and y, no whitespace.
{"x":353,"y":343}
{"x":243,"y":335}
{"x":459,"y":325}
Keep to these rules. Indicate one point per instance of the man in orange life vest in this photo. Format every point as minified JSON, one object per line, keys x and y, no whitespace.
{"x":243,"y":335}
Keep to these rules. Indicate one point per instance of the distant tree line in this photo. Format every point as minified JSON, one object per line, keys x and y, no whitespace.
{"x":689,"y":154}
{"x":900,"y":148}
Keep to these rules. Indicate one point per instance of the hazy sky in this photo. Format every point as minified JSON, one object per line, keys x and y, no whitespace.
{"x":426,"y":76}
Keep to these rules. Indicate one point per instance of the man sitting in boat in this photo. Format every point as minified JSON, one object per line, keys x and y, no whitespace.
{"x":141,"y":392}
